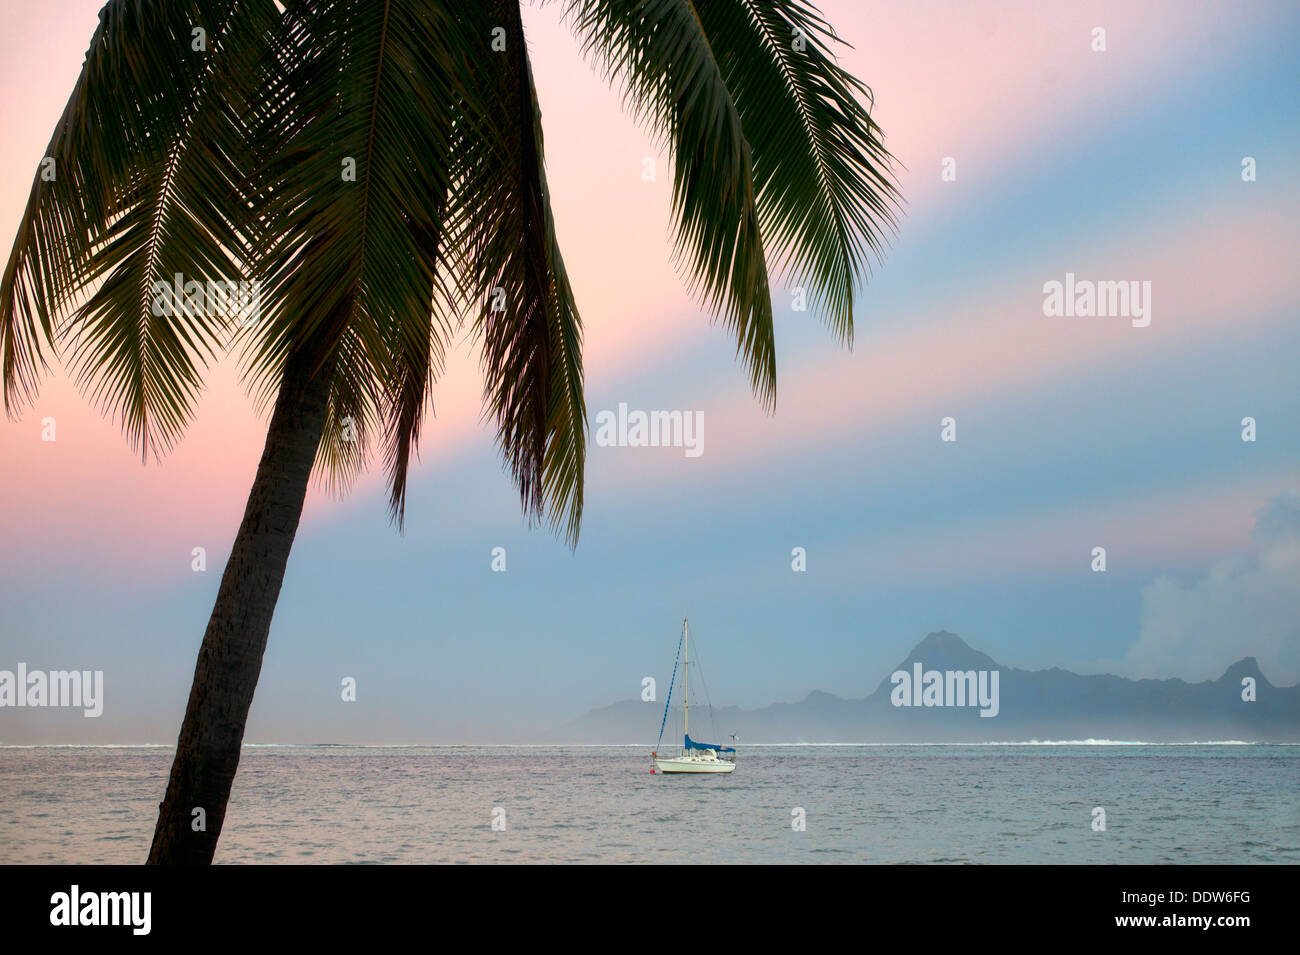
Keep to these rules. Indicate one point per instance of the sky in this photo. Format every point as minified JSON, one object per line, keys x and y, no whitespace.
{"x":1072,"y":432}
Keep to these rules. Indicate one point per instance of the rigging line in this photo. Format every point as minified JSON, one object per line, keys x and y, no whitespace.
{"x":707,"y":696}
{"x":671,"y":682}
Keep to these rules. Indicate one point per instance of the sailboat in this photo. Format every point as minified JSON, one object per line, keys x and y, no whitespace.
{"x":695,"y":757}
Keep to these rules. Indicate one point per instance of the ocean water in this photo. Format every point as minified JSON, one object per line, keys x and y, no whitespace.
{"x":886,"y":804}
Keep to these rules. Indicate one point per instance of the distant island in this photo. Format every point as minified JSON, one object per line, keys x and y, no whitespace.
{"x":1030,"y":705}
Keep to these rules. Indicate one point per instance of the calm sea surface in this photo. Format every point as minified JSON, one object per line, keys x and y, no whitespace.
{"x":978,"y":804}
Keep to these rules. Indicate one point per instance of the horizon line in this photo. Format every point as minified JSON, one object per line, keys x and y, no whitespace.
{"x":1034,"y":742}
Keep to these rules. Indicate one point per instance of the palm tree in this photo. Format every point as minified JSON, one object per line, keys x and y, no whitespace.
{"x":375,"y":169}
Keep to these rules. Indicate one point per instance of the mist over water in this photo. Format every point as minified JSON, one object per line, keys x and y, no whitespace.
{"x":881,"y":803}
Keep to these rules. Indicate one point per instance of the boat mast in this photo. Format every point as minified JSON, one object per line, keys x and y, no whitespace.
{"x":686,"y":668}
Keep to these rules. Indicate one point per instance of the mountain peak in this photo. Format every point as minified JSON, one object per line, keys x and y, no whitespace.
{"x":941,"y":640}
{"x":943,"y":650}
{"x":821,"y":696}
{"x":1246,"y":666}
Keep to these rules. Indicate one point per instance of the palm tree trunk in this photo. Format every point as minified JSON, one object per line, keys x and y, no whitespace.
{"x":230,"y":659}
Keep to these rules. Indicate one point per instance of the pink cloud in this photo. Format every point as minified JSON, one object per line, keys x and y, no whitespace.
{"x":989,"y":83}
{"x":1203,"y":286}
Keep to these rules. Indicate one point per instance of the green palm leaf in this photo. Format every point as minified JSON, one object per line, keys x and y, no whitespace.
{"x":826,"y":193}
{"x":526,"y":318}
{"x":369,"y":89}
{"x":148,"y":157}
{"x":673,"y":80}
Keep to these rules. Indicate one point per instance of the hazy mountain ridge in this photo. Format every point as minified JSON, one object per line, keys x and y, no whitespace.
{"x":1052,"y":704}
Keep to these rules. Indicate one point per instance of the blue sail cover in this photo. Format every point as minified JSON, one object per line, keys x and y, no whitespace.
{"x":691,"y":744}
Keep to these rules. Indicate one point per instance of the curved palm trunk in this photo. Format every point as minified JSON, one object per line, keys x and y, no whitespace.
{"x":230,"y":659}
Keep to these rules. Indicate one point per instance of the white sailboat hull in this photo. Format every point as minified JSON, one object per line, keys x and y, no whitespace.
{"x":687,"y":764}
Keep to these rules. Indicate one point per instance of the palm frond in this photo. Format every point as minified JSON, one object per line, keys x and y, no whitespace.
{"x":674,"y":81}
{"x":526,"y":318}
{"x":350,"y":270}
{"x":826,"y":191}
{"x":353,"y":416}
{"x":147,"y":156}
{"x":417,"y":351}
